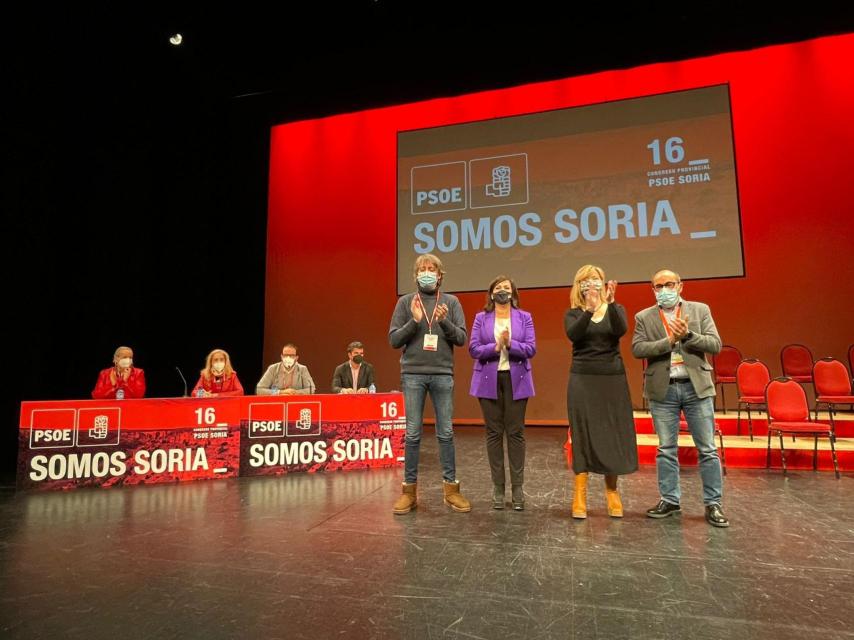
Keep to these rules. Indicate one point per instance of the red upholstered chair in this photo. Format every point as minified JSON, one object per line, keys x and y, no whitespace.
{"x":725,"y":363}
{"x":789,"y":413}
{"x":797,"y":361}
{"x":752,"y":376}
{"x":683,"y":428}
{"x":832,"y":385}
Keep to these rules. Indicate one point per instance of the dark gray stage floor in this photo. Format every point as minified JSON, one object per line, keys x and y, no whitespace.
{"x":322,"y":556}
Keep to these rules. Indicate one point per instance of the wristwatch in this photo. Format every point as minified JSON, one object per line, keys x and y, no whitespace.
{"x":688,"y":335}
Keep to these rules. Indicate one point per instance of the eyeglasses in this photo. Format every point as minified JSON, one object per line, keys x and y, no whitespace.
{"x":670,"y":286}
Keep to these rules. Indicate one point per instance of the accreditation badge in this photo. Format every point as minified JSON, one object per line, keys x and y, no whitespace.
{"x":431,"y":342}
{"x":676,"y":358}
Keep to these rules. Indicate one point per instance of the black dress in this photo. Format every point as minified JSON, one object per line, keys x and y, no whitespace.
{"x":598,"y":401}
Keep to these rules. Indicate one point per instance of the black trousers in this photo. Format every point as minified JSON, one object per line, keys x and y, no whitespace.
{"x":505,"y":416}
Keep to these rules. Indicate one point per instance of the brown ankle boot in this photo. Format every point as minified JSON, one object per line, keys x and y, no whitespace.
{"x":615,"y":505}
{"x":579,"y":496}
{"x":454,"y":499}
{"x":407,"y":500}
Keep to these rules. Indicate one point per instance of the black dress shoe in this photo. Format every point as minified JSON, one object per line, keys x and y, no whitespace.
{"x":715,"y":517}
{"x":663,"y":509}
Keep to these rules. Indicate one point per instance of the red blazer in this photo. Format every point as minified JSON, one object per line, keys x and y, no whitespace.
{"x":222,"y":387}
{"x":134,"y":386}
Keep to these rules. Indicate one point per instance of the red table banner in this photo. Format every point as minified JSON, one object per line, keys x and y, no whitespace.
{"x":79,"y":443}
{"x":283,"y":434}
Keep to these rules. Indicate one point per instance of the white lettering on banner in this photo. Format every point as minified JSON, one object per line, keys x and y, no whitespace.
{"x":594,"y":223}
{"x":52,"y":435}
{"x":73,"y":466}
{"x":277,"y":454}
{"x":363,"y":449}
{"x":170,"y":461}
{"x":505,"y":231}
{"x":264,"y":426}
{"x":439,"y":196}
{"x":287,"y":453}
{"x":613,"y":221}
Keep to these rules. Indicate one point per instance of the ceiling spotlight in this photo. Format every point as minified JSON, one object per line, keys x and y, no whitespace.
{"x":177,"y":39}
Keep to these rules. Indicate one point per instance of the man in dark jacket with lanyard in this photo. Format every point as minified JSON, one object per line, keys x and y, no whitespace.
{"x":428,"y":325}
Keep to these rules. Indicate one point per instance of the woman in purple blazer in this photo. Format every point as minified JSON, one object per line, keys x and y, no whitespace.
{"x":502,"y":343}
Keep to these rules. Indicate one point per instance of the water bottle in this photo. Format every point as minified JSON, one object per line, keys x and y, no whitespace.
{"x":200,"y":393}
{"x":274,"y":390}
{"x":120,"y":394}
{"x":372,"y":388}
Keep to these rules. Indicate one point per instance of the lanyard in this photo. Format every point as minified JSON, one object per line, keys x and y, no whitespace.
{"x":432,"y":315}
{"x":666,"y":323}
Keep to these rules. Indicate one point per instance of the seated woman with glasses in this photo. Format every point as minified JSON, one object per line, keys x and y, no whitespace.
{"x":218,"y":378}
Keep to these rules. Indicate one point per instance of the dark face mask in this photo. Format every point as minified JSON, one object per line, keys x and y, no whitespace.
{"x":501,"y":297}
{"x":358,"y":359}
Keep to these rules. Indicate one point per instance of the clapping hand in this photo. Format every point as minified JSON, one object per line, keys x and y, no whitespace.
{"x":679,"y":327}
{"x":415,"y":308}
{"x":610,"y":291}
{"x":441,"y":312}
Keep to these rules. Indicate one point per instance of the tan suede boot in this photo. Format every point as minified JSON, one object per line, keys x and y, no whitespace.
{"x":579,"y":496}
{"x":454,"y":499}
{"x":615,"y":505}
{"x":407,"y":500}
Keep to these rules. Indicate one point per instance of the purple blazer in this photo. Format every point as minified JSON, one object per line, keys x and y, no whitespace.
{"x":523,"y":345}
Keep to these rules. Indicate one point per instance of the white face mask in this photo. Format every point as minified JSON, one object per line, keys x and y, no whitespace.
{"x":593,"y":283}
{"x":125,"y":363}
{"x":218,"y":366}
{"x":288,"y":361}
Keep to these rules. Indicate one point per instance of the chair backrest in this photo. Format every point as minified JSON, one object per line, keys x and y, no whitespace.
{"x":786,"y":401}
{"x":830,"y":378}
{"x":796,"y":360}
{"x":851,"y":360}
{"x":726,"y":362}
{"x":751,"y":377}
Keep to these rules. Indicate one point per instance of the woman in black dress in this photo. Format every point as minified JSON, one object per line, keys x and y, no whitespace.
{"x":598,"y":402}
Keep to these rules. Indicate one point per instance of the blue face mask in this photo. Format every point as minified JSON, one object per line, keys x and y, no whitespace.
{"x":667,"y":298}
{"x":427,"y":281}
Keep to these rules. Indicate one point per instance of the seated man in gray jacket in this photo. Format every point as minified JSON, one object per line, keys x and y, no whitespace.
{"x":286,"y":377}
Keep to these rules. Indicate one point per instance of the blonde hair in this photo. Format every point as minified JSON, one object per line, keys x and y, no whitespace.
{"x":434,"y":260}
{"x":207,"y":372}
{"x":584,"y":273}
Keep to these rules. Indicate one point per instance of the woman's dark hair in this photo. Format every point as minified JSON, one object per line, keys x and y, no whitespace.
{"x":514,"y":295}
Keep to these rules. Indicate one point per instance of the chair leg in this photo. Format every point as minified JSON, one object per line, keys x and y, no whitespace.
{"x":833,"y":453}
{"x":738,"y":421}
{"x":749,"y":422}
{"x":723,"y":396}
{"x":782,"y":453}
{"x":768,"y":450}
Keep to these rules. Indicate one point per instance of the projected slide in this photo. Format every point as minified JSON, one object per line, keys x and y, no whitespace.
{"x":632,"y":186}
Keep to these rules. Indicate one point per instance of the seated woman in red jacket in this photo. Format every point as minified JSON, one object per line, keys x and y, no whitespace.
{"x":218,"y":378}
{"x":122,"y":375}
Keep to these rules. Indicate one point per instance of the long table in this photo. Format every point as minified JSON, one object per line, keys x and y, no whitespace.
{"x":65,"y":444}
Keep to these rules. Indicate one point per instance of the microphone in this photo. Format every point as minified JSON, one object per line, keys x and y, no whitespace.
{"x":184,"y":379}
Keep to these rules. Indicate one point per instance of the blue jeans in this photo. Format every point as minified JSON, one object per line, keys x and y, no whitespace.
{"x":416,"y":386}
{"x":700,"y":415}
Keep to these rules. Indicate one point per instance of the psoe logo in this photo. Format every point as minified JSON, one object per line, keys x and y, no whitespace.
{"x":438,"y":187}
{"x":498,"y":182}
{"x":99,"y":427}
{"x":303,"y":419}
{"x":501,"y":184}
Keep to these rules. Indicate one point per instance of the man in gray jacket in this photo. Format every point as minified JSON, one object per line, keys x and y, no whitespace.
{"x":674,"y":336}
{"x":427,"y":325}
{"x":287,"y":377}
